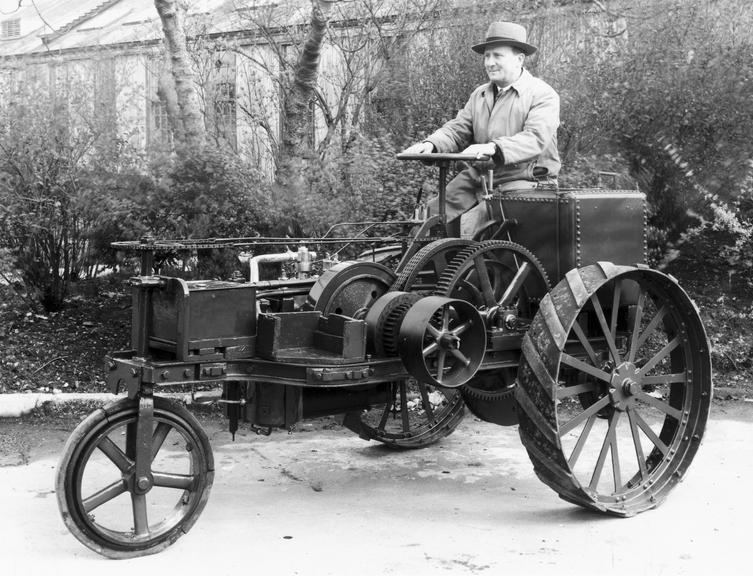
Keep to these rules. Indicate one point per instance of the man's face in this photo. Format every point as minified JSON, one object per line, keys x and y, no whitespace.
{"x":503,"y":64}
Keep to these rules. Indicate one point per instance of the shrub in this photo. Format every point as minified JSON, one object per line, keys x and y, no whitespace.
{"x":54,"y":197}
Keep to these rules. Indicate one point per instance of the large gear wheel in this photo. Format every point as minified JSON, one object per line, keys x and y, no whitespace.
{"x":623,"y":449}
{"x":495,"y":273}
{"x":422,"y":272}
{"x":502,"y":276}
{"x":490,"y":396}
{"x":350,"y":288}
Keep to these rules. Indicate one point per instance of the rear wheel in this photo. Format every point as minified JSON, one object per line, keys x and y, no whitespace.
{"x":103,"y":502}
{"x":614,"y":387}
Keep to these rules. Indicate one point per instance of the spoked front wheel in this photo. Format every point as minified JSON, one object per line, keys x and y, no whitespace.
{"x":614,"y":387}
{"x":118,"y":512}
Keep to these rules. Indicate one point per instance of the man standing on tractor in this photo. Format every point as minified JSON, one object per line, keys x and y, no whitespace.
{"x":513,"y":120}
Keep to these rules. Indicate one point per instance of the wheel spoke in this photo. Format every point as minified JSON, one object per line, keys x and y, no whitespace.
{"x":581,"y":441}
{"x":179,"y":481}
{"x":585,"y":343}
{"x":460,"y":356}
{"x":445,"y":317}
{"x":659,"y":356}
{"x":605,"y":328}
{"x":160,"y":433}
{"x":115,"y":454}
{"x":651,"y":327}
{"x":404,"y":406}
{"x":609,"y":441}
{"x":659,"y":379}
{"x":104,"y":495}
{"x":387,"y":409}
{"x":440,"y":365}
{"x":636,"y":326}
{"x":458,"y":330}
{"x":567,"y":391}
{"x":574,"y":362}
{"x":643,"y":425}
{"x":515,"y":285}
{"x":484,"y":281}
{"x":426,"y":401}
{"x":616,"y":473}
{"x":430,"y":349}
{"x":615,"y":308}
{"x":659,"y":405}
{"x":637,"y":443}
{"x":435,"y":332}
{"x":140,"y":520}
{"x":587,"y":413}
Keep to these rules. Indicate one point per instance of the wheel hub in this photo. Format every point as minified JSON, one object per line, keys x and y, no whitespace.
{"x":447,"y":340}
{"x":624,"y":386}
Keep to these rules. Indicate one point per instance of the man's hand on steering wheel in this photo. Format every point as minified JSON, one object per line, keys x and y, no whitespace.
{"x":479,"y":150}
{"x":420,"y":148}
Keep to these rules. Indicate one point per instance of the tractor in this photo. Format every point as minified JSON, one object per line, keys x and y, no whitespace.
{"x":548,"y":319}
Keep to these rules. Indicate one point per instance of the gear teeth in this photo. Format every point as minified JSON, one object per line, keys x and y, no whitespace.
{"x":409,"y":274}
{"x":391,"y":329}
{"x":386,"y":325}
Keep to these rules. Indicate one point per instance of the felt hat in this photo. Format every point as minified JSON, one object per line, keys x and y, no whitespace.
{"x":505,"y":33}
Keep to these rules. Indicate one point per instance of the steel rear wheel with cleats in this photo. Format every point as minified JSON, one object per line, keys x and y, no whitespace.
{"x":416,"y":415}
{"x":614,"y":387}
{"x":98,"y":494}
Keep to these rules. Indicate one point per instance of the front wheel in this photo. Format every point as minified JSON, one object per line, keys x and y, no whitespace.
{"x":102,"y":501}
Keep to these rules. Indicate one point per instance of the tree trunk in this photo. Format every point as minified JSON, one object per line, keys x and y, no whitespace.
{"x":296,"y":145}
{"x":193,"y":134}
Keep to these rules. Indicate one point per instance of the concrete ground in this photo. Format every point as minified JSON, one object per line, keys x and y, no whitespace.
{"x":323,"y":502}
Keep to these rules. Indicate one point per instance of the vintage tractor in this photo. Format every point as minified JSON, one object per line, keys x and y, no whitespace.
{"x":607,"y":373}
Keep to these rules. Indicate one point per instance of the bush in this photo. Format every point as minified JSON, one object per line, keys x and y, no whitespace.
{"x":54,"y":194}
{"x":672,"y":99}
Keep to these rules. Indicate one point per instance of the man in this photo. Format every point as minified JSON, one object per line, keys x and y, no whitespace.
{"x":513,"y":119}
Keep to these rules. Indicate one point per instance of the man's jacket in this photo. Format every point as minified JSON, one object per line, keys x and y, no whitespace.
{"x":522,"y":123}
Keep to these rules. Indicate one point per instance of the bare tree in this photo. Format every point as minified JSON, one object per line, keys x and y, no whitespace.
{"x":189,"y":125}
{"x":366,"y":34}
{"x":296,"y":146}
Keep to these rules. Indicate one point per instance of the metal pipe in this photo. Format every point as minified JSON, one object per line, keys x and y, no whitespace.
{"x":254,"y":261}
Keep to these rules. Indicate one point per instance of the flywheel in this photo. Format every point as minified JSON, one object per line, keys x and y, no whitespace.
{"x":350,"y":288}
{"x":614,"y":387}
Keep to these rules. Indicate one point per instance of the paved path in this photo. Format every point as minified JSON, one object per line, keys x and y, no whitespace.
{"x":325,"y":502}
